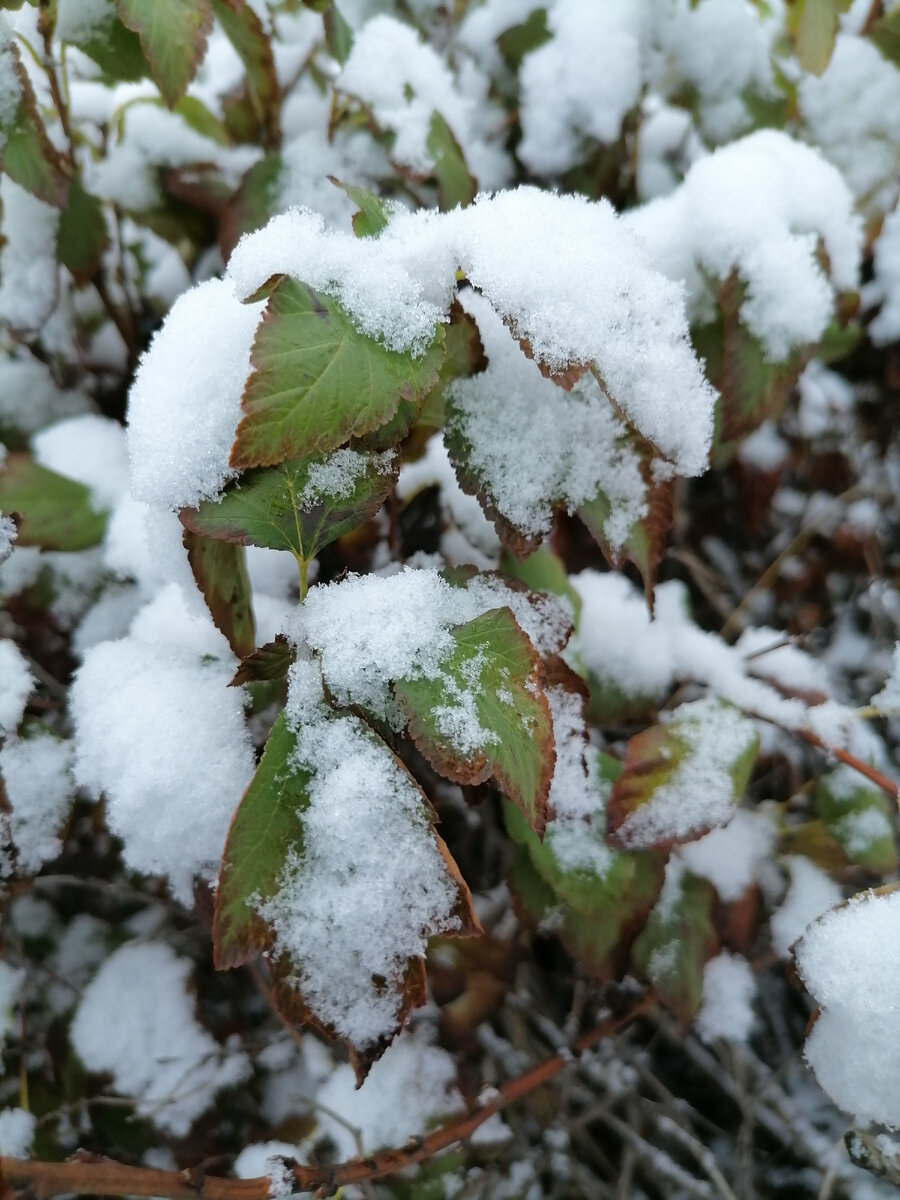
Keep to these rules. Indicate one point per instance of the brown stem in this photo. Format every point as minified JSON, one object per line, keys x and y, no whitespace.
{"x":851,"y":760}
{"x":103,"y":1177}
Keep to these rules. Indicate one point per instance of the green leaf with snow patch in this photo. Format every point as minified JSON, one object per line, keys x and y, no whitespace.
{"x":248,"y":36}
{"x":678,"y":941}
{"x":542,"y":571}
{"x":82,"y":236}
{"x":371,"y":216}
{"x":456,"y":186}
{"x":683,"y":778}
{"x":299,"y":506}
{"x":645,"y":542}
{"x":484,"y":715}
{"x":317,"y":381}
{"x":220,"y":569}
{"x":173,"y":36}
{"x":855,"y":814}
{"x":55,"y":513}
{"x":115,"y":49}
{"x":27,"y":155}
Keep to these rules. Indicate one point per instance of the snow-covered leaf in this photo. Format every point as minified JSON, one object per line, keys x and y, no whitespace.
{"x":678,"y":941}
{"x":27,"y":155}
{"x":855,"y":814}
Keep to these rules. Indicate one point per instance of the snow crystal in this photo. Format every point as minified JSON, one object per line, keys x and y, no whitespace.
{"x":561,"y":269}
{"x":728,"y":991}
{"x":535,"y":444}
{"x":849,"y":113}
{"x":565,"y":98}
{"x":136,"y":1021}
{"x":168,"y":745}
{"x":336,"y":476}
{"x":89,"y":449}
{"x":16,"y":1132}
{"x":28,"y":271}
{"x":811,"y":893}
{"x":185,"y":402}
{"x":731,"y":856}
{"x":759,"y":207}
{"x":889,"y":696}
{"x":16,"y":685}
{"x":36,"y":774}
{"x":368,"y":886}
{"x":850,"y":962}
{"x":700,"y":791}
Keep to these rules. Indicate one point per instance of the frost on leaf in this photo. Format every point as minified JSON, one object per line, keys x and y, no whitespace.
{"x":683,"y":778}
{"x":332,"y":864}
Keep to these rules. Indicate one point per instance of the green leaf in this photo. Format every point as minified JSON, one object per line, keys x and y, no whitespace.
{"x":886,"y":36}
{"x":298,"y":506}
{"x":542,"y":571}
{"x":517,"y":41}
{"x":27,"y":155}
{"x":270,"y":662}
{"x":645,"y":544}
{"x":485,"y":715}
{"x":814,"y":34}
{"x":82,"y":236}
{"x":372,"y":216}
{"x":55,"y":513}
{"x":683,"y":778}
{"x":220,"y":569}
{"x":678,"y":941}
{"x":856,"y":815}
{"x":253,"y":203}
{"x":456,"y":186}
{"x":338,"y":34}
{"x":115,"y":49}
{"x":246,"y":32}
{"x":173,"y":36}
{"x":317,"y":381}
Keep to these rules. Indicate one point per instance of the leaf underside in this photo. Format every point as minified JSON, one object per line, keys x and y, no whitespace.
{"x":220,"y":570}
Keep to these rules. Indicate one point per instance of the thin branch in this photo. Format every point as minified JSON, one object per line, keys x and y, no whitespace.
{"x":103,"y":1177}
{"x":851,"y":760}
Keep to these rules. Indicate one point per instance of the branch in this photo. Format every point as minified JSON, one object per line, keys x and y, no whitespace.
{"x":103,"y":1177}
{"x":851,"y":760}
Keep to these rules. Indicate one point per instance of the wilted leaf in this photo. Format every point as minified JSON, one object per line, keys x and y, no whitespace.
{"x":27,"y":155}
{"x":485,"y":716}
{"x":317,"y":381}
{"x":82,"y":236}
{"x":456,"y":186}
{"x":372,"y":216}
{"x":266,"y":663}
{"x":855,"y":814}
{"x":173,"y":36}
{"x":678,"y":941}
{"x":220,"y":570}
{"x":55,"y":513}
{"x":683,"y":778}
{"x":245,"y":31}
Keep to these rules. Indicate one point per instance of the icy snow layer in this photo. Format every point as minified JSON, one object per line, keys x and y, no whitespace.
{"x":167,"y":744}
{"x":368,"y":886}
{"x":136,"y":1021}
{"x":16,"y":685}
{"x":758,"y":207}
{"x":728,"y":991}
{"x":561,"y":269}
{"x":36,"y":773}
{"x":886,"y":286}
{"x":185,"y":402}
{"x":850,"y":962}
{"x":850,"y":113}
{"x":534,"y":444}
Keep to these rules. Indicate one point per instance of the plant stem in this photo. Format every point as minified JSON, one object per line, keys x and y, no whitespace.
{"x":303,"y":568}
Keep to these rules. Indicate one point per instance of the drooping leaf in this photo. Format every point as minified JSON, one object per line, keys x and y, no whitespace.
{"x":317,"y":381}
{"x":220,"y":569}
{"x":456,"y":186}
{"x":173,"y":36}
{"x":267,"y":663}
{"x":54,"y":512}
{"x":372,"y":216}
{"x":114,"y":48}
{"x":683,"y":778}
{"x":886,"y":36}
{"x":246,"y":32}
{"x":82,"y":236}
{"x":678,"y":941}
{"x":855,"y":814}
{"x":485,"y":716}
{"x":299,"y":506}
{"x":266,"y":854}
{"x":27,"y":155}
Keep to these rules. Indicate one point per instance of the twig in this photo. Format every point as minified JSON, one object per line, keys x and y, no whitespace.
{"x":103,"y":1177}
{"x":851,"y":760}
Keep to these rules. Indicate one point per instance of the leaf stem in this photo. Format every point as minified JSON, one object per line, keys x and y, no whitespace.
{"x":303,"y":568}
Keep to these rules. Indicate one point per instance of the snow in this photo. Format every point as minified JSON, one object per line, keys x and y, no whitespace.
{"x":28,"y":271}
{"x":136,"y":1022}
{"x":337,"y":475}
{"x":535,"y":445}
{"x":16,"y":685}
{"x":368,"y":886}
{"x":262,"y":1158}
{"x":29,"y":397}
{"x":699,"y":792}
{"x":16,"y":1132}
{"x":89,"y":449}
{"x":185,"y":402}
{"x":885,"y":327}
{"x":78,"y":19}
{"x":434,"y":467}
{"x":10,"y":88}
{"x":167,"y":745}
{"x":8,"y":535}
{"x":731,"y":856}
{"x":810,"y":894}
{"x":562,"y":270}
{"x":765,"y":449}
{"x":758,"y":207}
{"x":36,"y":773}
{"x":850,"y":963}
{"x":11,"y":982}
{"x":889,"y":696}
{"x":728,"y":991}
